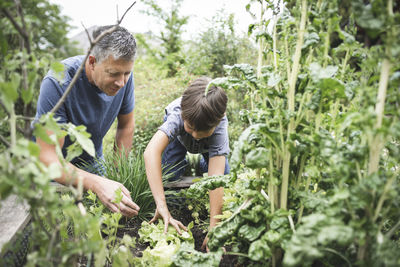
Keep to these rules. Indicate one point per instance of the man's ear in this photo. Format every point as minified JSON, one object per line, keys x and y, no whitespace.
{"x":92,"y":61}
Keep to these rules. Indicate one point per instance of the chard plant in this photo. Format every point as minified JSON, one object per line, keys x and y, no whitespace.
{"x":323,"y":142}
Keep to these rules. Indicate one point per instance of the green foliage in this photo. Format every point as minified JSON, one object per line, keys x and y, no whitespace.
{"x":311,"y":240}
{"x":46,"y":27}
{"x":187,"y":256}
{"x":130,"y":171}
{"x":56,"y":220}
{"x":313,"y":138}
{"x":118,"y":250}
{"x":170,"y":36}
{"x":216,"y":46}
{"x":162,"y":245}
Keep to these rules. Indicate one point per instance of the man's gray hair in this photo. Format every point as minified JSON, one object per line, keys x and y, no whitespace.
{"x":120,"y":44}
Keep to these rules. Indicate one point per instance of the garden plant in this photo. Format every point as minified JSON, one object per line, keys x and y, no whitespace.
{"x":315,"y":141}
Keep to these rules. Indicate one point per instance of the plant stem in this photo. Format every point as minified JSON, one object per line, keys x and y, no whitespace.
{"x":261,"y":42}
{"x":271,"y":190}
{"x":276,"y":18}
{"x":382,"y":199}
{"x":337,"y":253}
{"x":327,"y":42}
{"x":394,"y":229}
{"x":13,"y":126}
{"x":344,"y":64}
{"x":291,"y":100}
{"x":377,"y":142}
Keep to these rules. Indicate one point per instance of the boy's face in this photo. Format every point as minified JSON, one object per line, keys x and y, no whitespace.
{"x":197,"y":134}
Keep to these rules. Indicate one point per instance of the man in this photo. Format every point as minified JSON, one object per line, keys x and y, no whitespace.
{"x":103,"y":92}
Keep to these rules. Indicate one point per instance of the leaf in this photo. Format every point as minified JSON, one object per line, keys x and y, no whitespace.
{"x":5,"y":190}
{"x":54,"y":171}
{"x":3,"y":42}
{"x":251,"y":233}
{"x":259,"y":250}
{"x":82,"y":137}
{"x":310,"y":39}
{"x":9,"y":94}
{"x":58,"y":70}
{"x":273,"y":79}
{"x":257,"y":158}
{"x":317,"y":72}
{"x":335,"y":233}
{"x":57,"y":66}
{"x":27,"y":95}
{"x":73,"y":151}
{"x":332,"y":88}
{"x":272,"y":236}
{"x":40,"y":132}
{"x":237,"y":153}
{"x":118,"y":196}
{"x":33,"y":149}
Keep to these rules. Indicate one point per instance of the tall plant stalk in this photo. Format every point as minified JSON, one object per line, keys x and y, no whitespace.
{"x":261,"y":42}
{"x":291,"y":103}
{"x":377,"y":142}
{"x":13,"y":127}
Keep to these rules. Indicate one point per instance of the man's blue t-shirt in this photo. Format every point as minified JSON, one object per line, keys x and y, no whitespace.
{"x":85,"y":105}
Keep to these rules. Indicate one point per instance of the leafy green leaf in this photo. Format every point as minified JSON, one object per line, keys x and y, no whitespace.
{"x":317,"y":72}
{"x":40,"y":132}
{"x":82,"y":137}
{"x":259,"y":250}
{"x":257,"y":158}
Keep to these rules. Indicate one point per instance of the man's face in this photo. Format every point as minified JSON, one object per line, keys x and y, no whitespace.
{"x":110,"y":75}
{"x":197,"y":134}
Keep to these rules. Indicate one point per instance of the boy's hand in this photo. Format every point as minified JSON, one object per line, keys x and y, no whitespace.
{"x":163,"y":212}
{"x":105,"y":191}
{"x":204,"y":246}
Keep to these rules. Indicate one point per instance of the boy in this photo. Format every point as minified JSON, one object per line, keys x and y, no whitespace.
{"x":197,"y":123}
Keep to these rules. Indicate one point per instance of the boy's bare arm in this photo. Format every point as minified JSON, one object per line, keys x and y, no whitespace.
{"x":104,"y":188}
{"x":216,"y":166}
{"x":152,"y":160}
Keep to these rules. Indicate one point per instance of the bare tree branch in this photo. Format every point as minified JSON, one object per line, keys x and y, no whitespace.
{"x":4,"y":141}
{"x":87,"y":33}
{"x":77,"y":74}
{"x":16,"y":25}
{"x":117,"y":14}
{"x":119,"y":21}
{"x":24,"y":28}
{"x":24,"y":117}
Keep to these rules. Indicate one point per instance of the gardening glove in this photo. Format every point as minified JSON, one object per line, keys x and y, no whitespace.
{"x":105,"y":190}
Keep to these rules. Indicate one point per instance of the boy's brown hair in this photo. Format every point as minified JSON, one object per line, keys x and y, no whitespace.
{"x":203,"y":111}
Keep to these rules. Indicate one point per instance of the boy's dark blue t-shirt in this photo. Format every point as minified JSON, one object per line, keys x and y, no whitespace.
{"x":85,"y":105}
{"x":216,"y":145}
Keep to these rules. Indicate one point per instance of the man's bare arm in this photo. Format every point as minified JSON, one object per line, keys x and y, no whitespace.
{"x":125,"y":131}
{"x":103,"y":187}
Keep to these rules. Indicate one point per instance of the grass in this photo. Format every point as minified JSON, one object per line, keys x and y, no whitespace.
{"x":131,"y":173}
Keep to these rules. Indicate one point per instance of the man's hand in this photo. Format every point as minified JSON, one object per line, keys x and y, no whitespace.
{"x":163,"y":212}
{"x":105,"y":190}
